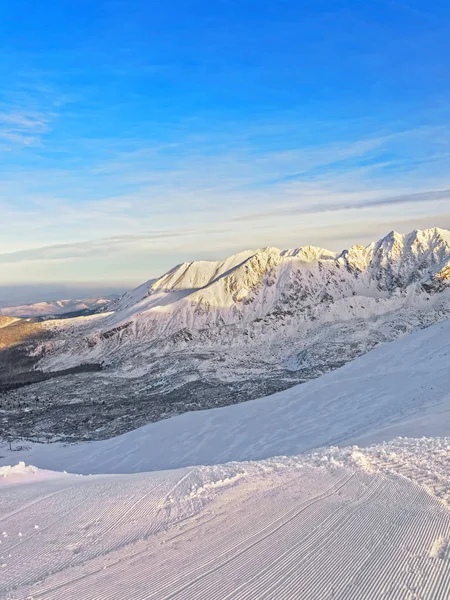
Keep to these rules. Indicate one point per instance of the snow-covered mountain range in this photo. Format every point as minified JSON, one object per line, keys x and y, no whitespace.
{"x":253,"y":285}
{"x":207,"y":334}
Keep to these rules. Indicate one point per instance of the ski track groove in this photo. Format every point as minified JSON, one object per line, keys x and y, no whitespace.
{"x":30,"y":504}
{"x":328,"y":522}
{"x":226,"y":549}
{"x":27,"y":555}
{"x":257,"y":541}
{"x":336,"y":523}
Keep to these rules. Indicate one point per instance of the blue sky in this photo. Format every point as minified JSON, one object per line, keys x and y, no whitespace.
{"x":135,"y":135}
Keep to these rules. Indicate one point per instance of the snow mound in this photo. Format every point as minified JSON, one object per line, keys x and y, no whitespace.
{"x":19,"y":469}
{"x":23,"y":473}
{"x":424,"y":461}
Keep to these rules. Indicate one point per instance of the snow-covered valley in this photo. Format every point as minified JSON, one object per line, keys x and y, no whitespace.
{"x":398,"y":389}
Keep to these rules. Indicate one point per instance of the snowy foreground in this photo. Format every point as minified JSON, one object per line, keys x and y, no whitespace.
{"x":335,"y":524}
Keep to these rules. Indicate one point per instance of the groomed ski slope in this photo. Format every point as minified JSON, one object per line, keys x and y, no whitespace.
{"x":277,"y":529}
{"x":335,"y":523}
{"x":400,"y":388}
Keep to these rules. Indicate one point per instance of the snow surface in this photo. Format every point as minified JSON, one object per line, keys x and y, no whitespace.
{"x":400,"y":388}
{"x":276,"y":529}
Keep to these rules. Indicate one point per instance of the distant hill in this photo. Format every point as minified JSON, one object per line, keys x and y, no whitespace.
{"x":56,"y":307}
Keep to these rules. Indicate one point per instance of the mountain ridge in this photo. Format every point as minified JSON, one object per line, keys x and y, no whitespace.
{"x":395,"y":261}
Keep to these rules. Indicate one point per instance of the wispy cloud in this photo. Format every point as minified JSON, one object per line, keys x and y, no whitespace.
{"x":29,"y":108}
{"x":22,"y":128}
{"x":105,"y":247}
{"x":317,"y":208}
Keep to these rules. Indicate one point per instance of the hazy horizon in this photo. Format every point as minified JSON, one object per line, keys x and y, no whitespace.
{"x":16,"y":295}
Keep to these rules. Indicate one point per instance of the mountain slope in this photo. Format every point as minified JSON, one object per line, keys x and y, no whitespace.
{"x":399,"y":388}
{"x":195,"y":301}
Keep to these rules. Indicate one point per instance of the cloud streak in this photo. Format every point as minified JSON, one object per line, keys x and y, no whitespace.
{"x":106,"y":247}
{"x":428,"y":196}
{"x":22,"y":128}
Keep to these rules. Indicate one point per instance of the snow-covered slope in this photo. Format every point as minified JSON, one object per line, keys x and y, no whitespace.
{"x":340,"y":525}
{"x":57,"y":307}
{"x":400,"y":388}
